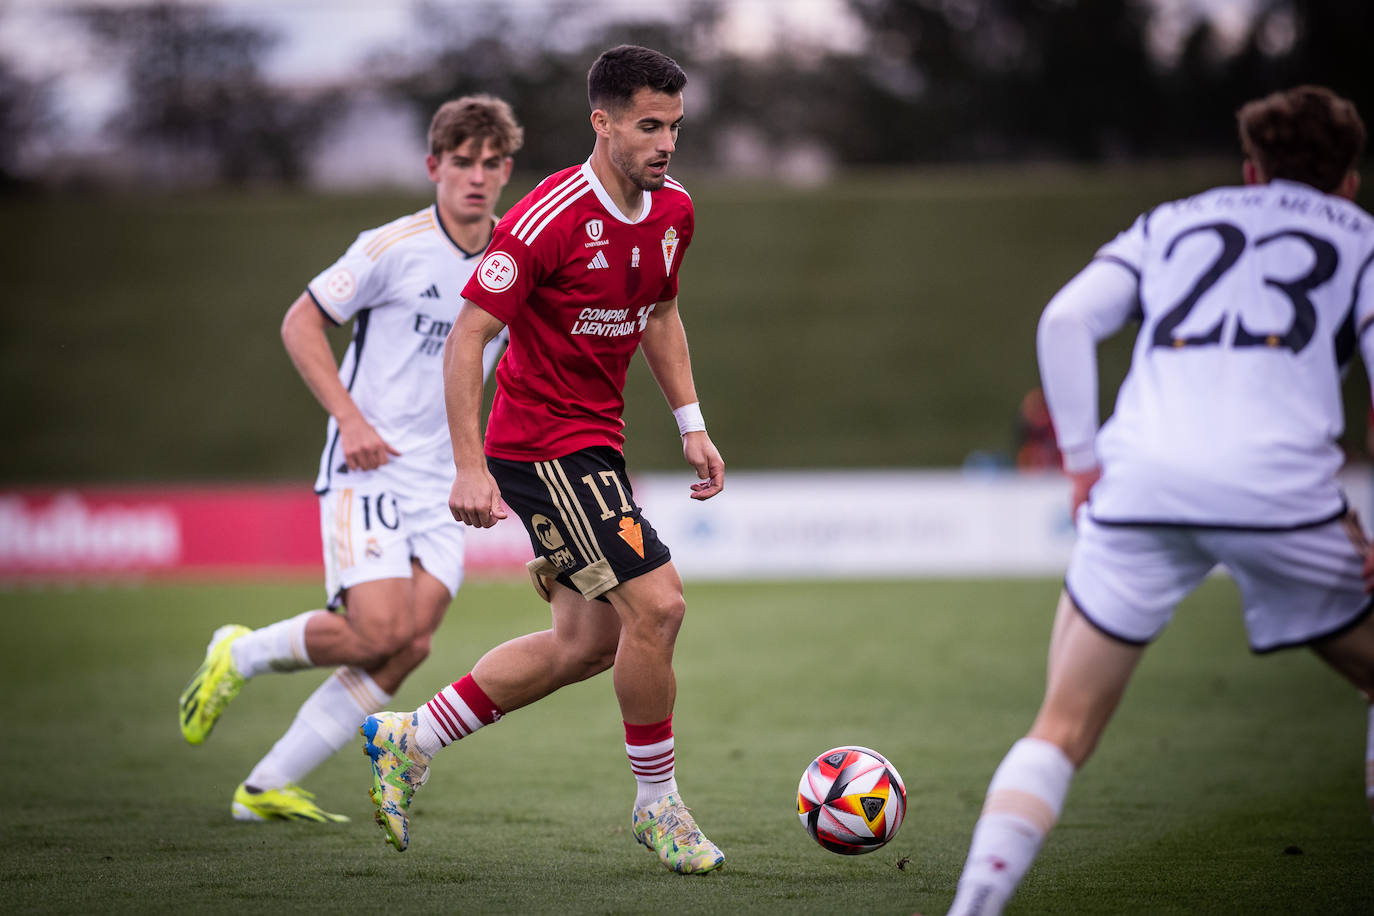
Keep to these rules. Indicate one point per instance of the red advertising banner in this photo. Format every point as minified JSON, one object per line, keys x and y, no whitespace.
{"x":71,"y":534}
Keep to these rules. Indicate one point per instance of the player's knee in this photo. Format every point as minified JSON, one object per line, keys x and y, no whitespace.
{"x":417,"y":650}
{"x":411,"y":655}
{"x":588,"y":656}
{"x":661,"y":619}
{"x":389,"y":642}
{"x":595,"y":660}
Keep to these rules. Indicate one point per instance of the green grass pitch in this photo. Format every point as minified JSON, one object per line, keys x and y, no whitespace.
{"x":1227,"y":784}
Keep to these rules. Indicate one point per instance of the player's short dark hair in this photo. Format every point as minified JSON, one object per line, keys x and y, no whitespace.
{"x":623,"y":70}
{"x":1306,"y":134}
{"x":483,"y":117}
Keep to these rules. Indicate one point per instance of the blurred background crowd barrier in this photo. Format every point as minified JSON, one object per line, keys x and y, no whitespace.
{"x":887,"y":193}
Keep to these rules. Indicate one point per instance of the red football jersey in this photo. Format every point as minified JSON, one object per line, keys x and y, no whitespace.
{"x":575,"y":281}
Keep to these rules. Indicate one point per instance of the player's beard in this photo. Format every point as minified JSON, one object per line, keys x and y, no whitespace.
{"x":638,"y":173}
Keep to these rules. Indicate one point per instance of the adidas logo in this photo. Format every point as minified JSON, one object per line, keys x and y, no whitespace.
{"x":431,"y":293}
{"x":598,"y":262}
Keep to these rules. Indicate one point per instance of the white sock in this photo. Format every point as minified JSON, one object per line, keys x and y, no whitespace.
{"x":426,"y":738}
{"x":327,"y":721}
{"x":276,"y":647}
{"x":655,"y":770}
{"x":1023,"y":802}
{"x":650,"y":792}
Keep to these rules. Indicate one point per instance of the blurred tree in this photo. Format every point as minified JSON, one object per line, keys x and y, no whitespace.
{"x":198,"y":106}
{"x":1010,"y":79}
{"x":536,"y":58}
{"x":1287,"y":43}
{"x":25,"y":118}
{"x":1315,"y":41}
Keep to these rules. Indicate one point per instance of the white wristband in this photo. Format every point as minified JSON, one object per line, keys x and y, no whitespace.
{"x":689,"y":418}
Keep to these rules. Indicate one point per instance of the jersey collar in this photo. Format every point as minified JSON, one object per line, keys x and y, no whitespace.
{"x":439,"y":221}
{"x":602,"y":195}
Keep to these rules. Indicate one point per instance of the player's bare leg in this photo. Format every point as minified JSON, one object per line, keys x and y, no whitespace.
{"x":1088,"y":673}
{"x":329,"y":719}
{"x":381,"y":622}
{"x":430,"y":600}
{"x":580,"y":643}
{"x":651,"y":608}
{"x":1352,"y":654}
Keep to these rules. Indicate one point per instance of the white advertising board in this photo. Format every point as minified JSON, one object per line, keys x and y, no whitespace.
{"x":866,"y":524}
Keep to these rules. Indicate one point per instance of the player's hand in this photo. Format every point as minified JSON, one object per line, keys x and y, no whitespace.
{"x":1081,"y":484}
{"x":363,"y":448}
{"x":475,"y":499}
{"x":702,"y":455}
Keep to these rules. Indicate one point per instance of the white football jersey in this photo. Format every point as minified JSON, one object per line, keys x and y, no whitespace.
{"x":401,"y":285}
{"x":1249,"y":299}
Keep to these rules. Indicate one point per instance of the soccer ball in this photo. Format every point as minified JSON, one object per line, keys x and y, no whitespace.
{"x":851,"y":800}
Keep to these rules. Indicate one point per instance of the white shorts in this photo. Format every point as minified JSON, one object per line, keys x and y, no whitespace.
{"x":374,"y":522}
{"x":1296,"y":586}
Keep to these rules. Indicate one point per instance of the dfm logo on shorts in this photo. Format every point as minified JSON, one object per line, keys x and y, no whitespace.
{"x":552,"y":540}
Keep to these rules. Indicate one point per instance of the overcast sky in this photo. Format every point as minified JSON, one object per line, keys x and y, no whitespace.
{"x":327,"y":39}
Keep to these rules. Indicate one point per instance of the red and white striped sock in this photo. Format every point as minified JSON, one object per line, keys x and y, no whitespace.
{"x":650,"y":749}
{"x":455,"y":712}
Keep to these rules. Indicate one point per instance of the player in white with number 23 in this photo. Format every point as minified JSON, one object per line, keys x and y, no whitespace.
{"x":1222,"y":449}
{"x":393,"y":552}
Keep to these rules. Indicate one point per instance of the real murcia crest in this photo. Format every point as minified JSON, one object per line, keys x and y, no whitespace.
{"x":669,"y":249}
{"x":594,"y":228}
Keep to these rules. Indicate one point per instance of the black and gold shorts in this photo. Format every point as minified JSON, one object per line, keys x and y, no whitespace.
{"x":586,"y":530}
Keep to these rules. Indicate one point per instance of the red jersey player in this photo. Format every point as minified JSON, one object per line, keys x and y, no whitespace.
{"x":583,"y":272}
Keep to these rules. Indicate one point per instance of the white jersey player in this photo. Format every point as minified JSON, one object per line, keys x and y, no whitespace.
{"x":397,"y":283}
{"x":393,"y":552}
{"x":1221,"y":451}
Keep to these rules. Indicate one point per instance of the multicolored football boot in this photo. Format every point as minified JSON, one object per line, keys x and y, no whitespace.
{"x":287,"y":803}
{"x":399,"y":767}
{"x":214,"y":684}
{"x":668,"y":829}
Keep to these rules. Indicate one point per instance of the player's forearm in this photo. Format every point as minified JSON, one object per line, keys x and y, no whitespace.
{"x":310,"y":353}
{"x":463,"y":397}
{"x":665,"y":351}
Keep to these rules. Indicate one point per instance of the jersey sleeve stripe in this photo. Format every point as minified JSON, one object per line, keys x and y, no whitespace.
{"x":418,"y":230}
{"x":550,"y":208}
{"x":677,"y":186}
{"x":324,"y":309}
{"x":547,"y":200}
{"x":385,"y":238}
{"x":1111,"y":258}
{"x":529,"y":240}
